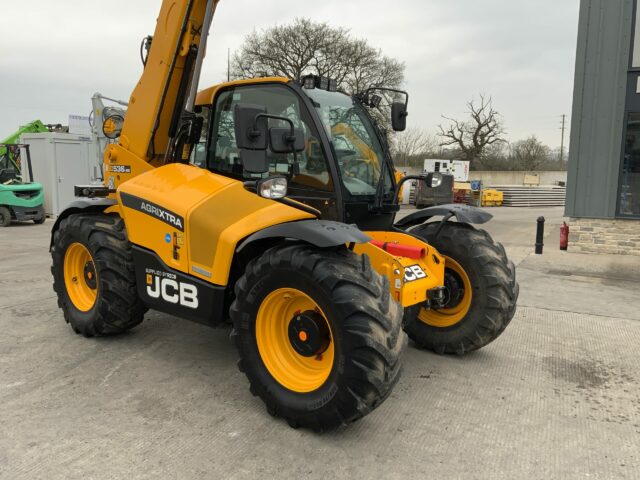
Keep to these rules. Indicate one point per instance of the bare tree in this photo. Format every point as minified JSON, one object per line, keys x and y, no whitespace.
{"x":307,"y":47}
{"x":472,"y":136}
{"x":530,"y":154}
{"x":412,"y":146}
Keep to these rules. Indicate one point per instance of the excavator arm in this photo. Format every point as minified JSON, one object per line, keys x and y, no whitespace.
{"x":160,"y":123}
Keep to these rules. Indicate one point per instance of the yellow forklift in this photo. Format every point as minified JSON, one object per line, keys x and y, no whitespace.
{"x":240,"y":206}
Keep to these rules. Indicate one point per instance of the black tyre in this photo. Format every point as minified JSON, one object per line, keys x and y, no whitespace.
{"x":93,"y":275}
{"x":482,"y":291}
{"x":5,"y":217}
{"x":39,"y":220}
{"x":319,"y":337}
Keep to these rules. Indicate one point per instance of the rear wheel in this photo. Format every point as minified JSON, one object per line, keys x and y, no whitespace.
{"x":319,"y":337}
{"x":5,"y":217}
{"x":93,"y":275}
{"x":481,"y":287}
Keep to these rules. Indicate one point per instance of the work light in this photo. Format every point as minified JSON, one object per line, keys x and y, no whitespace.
{"x":375,"y":100}
{"x":309,"y":82}
{"x":323,"y":83}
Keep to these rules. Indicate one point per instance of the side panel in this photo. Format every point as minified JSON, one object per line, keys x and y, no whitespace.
{"x":219,"y":223}
{"x":173,"y":292}
{"x":193,"y":219}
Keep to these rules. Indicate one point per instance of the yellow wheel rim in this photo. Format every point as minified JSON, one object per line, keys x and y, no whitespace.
{"x":289,"y":368}
{"x":80,"y":277}
{"x":447,"y":317}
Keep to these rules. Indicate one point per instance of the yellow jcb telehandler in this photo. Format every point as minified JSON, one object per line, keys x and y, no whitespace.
{"x":251,"y":203}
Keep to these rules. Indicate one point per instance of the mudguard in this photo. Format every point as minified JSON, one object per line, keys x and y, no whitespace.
{"x":321,"y":233}
{"x":79,"y":205}
{"x":463,"y":213}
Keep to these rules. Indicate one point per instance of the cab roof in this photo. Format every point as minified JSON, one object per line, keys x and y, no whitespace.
{"x":205,"y":97}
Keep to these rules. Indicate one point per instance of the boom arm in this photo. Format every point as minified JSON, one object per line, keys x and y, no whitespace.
{"x":156,"y":118}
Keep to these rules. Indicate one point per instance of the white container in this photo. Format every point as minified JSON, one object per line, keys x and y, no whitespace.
{"x":60,"y":161}
{"x":458,"y":168}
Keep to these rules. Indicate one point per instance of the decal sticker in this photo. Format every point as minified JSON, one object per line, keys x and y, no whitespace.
{"x":167,"y":238}
{"x":166,"y":286}
{"x":180,"y":239}
{"x":201,"y":271}
{"x":153,"y":210}
{"x":120,"y":168}
{"x":413,"y":273}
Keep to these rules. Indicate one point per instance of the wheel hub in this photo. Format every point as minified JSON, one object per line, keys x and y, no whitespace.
{"x":80,"y":277}
{"x":458,"y":295}
{"x":309,"y":333}
{"x":454,"y":288}
{"x":90,"y":275}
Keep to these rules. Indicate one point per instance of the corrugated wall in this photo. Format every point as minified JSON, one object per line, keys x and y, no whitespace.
{"x":604,"y":43}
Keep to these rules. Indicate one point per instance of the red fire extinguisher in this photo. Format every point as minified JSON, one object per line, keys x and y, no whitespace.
{"x":564,"y":236}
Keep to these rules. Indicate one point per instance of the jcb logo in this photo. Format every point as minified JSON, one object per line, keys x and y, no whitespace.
{"x":172,"y":291}
{"x":413,"y":273}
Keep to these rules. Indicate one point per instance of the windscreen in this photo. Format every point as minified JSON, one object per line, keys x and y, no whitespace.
{"x":358,"y":150}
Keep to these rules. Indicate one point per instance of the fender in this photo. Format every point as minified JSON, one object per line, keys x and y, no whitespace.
{"x":88,"y":205}
{"x":463,"y":213}
{"x":321,"y":233}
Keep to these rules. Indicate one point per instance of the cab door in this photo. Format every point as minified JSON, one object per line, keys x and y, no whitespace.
{"x":310,"y":179}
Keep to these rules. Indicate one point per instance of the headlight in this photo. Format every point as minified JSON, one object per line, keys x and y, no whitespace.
{"x":434,"y":180}
{"x":275,"y":187}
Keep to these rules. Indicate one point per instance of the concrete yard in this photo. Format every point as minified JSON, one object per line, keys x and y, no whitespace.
{"x":557,"y":396}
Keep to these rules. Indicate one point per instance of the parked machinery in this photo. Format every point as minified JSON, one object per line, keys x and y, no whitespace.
{"x":263,"y":235}
{"x":19,"y":199}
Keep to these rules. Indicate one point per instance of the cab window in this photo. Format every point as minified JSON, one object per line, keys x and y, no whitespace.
{"x":307,"y":169}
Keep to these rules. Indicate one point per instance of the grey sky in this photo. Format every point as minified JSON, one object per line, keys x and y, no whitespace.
{"x":55,"y":55}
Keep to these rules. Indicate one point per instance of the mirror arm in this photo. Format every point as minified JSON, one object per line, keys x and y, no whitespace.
{"x":403,"y":180}
{"x":386,"y":89}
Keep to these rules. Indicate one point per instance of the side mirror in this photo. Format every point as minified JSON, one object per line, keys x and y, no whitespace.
{"x":251,"y":137}
{"x":112,"y":126}
{"x":399,"y":116}
{"x":283,"y":140}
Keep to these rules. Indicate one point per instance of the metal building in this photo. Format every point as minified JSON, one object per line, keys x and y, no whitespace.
{"x":603,"y":189}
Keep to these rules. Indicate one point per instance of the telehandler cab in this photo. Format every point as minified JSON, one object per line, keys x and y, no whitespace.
{"x":271,"y":203}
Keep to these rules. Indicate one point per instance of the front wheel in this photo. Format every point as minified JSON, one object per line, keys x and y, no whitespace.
{"x":93,"y":275}
{"x":320,"y":339}
{"x":481,"y":291}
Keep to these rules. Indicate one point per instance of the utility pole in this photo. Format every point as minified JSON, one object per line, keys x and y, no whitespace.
{"x":564,"y":118}
{"x":228,"y":64}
